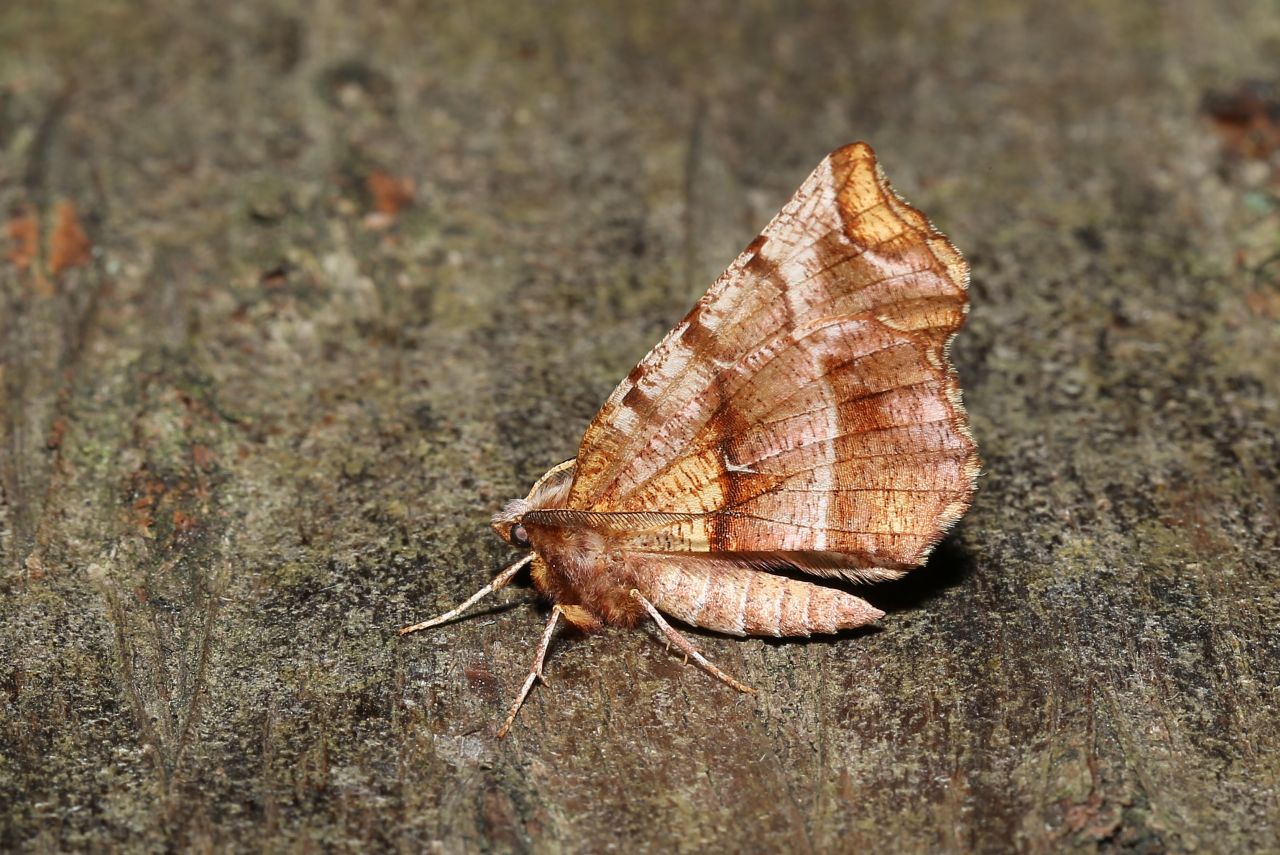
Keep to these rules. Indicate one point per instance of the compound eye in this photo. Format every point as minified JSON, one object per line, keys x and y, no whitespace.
{"x":519,"y":536}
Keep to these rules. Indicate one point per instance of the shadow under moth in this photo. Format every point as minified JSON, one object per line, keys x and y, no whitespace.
{"x":804,"y":416}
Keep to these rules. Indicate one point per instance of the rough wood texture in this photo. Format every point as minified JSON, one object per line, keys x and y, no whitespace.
{"x":266,"y":425}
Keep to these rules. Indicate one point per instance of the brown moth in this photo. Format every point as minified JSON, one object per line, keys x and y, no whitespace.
{"x":803,"y":416}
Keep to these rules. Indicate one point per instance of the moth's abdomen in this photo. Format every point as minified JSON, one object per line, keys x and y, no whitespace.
{"x":720,"y":596}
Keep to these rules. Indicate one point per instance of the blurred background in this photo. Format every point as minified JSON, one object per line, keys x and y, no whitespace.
{"x":295,"y":295}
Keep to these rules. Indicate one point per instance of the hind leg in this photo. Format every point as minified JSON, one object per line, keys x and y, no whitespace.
{"x":685,"y":646}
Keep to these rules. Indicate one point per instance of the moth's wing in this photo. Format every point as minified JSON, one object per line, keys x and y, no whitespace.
{"x":806,"y":403}
{"x":841,"y":444}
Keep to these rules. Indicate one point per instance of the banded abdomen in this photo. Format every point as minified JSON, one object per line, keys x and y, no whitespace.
{"x":724,"y":597}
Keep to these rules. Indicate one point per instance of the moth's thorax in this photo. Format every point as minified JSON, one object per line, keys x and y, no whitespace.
{"x":577,"y":568}
{"x":575,"y":553}
{"x":574,"y":565}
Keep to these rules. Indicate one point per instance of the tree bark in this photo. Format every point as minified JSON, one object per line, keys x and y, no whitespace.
{"x":361,"y":272}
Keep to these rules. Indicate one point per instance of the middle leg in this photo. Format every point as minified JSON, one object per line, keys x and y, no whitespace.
{"x":535,"y":672}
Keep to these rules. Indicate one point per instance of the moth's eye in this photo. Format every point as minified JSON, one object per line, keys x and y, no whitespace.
{"x":519,"y":536}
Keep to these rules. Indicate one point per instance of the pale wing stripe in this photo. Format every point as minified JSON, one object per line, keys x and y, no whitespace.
{"x":784,"y":477}
{"x":919,"y":477}
{"x":833,"y":429}
{"x":751,"y":460}
{"x":839,"y":367}
{"x":944,"y":419}
{"x":841,"y":491}
{"x":930,"y":453}
{"x":775,"y":444}
{"x":830,"y":404}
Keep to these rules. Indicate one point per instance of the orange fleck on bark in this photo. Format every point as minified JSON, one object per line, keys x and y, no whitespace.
{"x":1247,"y":118}
{"x":56,"y":431}
{"x":184,"y":522}
{"x":69,"y":246}
{"x":202,"y":456}
{"x":1265,"y":304}
{"x":390,"y":193}
{"x":35,"y":566}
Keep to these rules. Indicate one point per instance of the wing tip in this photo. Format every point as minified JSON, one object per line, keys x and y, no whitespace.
{"x":856,"y":150}
{"x":860,"y":154}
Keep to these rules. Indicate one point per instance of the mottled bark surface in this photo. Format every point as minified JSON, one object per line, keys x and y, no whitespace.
{"x":266,"y":424}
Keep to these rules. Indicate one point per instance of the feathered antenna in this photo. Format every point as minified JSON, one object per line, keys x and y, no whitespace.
{"x":497,"y":584}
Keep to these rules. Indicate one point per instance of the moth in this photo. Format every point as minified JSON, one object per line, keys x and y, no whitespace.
{"x":803,"y":419}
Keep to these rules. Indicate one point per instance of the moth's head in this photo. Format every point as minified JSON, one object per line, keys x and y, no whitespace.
{"x":550,"y":491}
{"x":507,"y":523}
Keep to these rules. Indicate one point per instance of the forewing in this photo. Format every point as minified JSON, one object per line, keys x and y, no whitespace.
{"x":806,"y":403}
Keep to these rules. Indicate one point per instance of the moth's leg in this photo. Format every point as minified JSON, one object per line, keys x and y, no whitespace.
{"x":577,"y":617}
{"x":498,"y":583}
{"x":535,"y":672}
{"x":685,"y":646}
